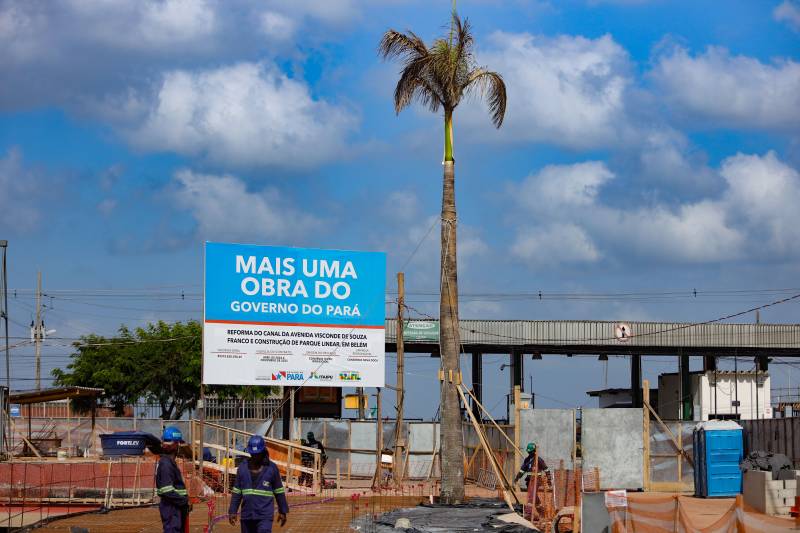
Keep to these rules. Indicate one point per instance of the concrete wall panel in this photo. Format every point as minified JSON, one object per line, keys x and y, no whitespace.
{"x":362,"y":435}
{"x":553,"y":431}
{"x":611,"y":440}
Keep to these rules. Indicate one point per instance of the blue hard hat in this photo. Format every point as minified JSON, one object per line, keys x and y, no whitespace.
{"x":256,"y":444}
{"x":172,"y":434}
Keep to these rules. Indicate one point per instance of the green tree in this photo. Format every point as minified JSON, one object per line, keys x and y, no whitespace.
{"x":102,"y":362}
{"x":439,"y":77}
{"x":158,"y":363}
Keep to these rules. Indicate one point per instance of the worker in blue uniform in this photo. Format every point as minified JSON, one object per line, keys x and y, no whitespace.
{"x":527,"y":465}
{"x":258,"y":487}
{"x":174,"y":505}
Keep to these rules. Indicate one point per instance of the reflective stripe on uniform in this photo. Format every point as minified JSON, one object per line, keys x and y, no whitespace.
{"x":169,"y":488}
{"x":280,"y":490}
{"x":257,"y":492}
{"x":236,"y":490}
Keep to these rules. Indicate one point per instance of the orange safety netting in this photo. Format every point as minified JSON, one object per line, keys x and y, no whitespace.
{"x":659,"y":513}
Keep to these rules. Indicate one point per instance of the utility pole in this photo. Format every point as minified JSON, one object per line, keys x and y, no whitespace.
{"x":399,"y":441}
{"x":38,"y":331}
{"x":4,"y":246}
{"x":377,"y":479}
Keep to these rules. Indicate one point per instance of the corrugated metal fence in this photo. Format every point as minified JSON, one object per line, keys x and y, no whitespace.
{"x":776,"y":435}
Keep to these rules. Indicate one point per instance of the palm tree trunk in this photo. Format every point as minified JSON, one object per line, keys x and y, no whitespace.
{"x":451,"y":437}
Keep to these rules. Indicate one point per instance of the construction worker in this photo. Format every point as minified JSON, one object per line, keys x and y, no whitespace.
{"x":174,"y":505}
{"x":258,"y":485}
{"x":527,"y":465}
{"x":307,"y":458}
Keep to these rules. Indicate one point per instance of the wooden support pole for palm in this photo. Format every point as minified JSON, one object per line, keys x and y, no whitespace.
{"x":646,"y":432}
{"x":377,"y":478}
{"x":517,"y":428}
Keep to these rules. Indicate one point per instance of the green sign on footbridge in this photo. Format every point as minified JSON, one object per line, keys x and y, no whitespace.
{"x":421,"y":331}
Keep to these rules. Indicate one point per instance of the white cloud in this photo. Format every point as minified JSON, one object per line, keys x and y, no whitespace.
{"x":763,"y":195}
{"x":81,"y":55}
{"x":36,"y":31}
{"x":244,"y":115}
{"x":20,"y":29}
{"x":146,"y":24}
{"x":565,"y":90}
{"x":553,"y":244}
{"x":694,"y":232}
{"x":277,"y":26}
{"x":334,"y":12}
{"x":557,"y":186}
{"x":224,"y":208}
{"x":788,"y":12}
{"x":755,"y":217}
{"x":717,"y":88}
{"x":401,"y":206}
{"x":107,"y":206}
{"x":20,"y":186}
{"x":667,"y":158}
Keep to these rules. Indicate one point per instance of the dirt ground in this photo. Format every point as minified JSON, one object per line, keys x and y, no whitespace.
{"x":334,"y":516}
{"x":310,"y":516}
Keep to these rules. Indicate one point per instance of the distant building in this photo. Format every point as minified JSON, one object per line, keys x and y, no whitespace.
{"x":618,"y":398}
{"x":743,"y":395}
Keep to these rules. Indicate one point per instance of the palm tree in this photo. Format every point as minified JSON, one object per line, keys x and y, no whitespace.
{"x":439,"y":77}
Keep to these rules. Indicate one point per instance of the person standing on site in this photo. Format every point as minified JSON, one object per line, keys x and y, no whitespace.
{"x":307,"y":458}
{"x":527,"y":465}
{"x":258,"y":486}
{"x":174,"y":505}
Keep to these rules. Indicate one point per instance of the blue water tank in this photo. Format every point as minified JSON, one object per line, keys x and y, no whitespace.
{"x":718,"y":450}
{"x":127,"y":443}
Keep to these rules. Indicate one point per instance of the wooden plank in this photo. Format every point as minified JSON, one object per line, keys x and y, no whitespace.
{"x":646,"y":434}
{"x":680,"y":452}
{"x":495,"y":424}
{"x":670,"y":486}
{"x":269,"y":440}
{"x":507,"y":488}
{"x":670,"y":433}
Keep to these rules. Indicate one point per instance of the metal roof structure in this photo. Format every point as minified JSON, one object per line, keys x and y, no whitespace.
{"x":615,"y":390}
{"x":604,"y":337}
{"x":54,"y":394}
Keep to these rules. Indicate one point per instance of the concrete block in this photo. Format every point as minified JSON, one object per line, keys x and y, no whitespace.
{"x":766,"y":495}
{"x":790,"y":484}
{"x":780,"y":494}
{"x":781,"y":510}
{"x":777,"y":503}
{"x":754,"y":489}
{"x":774,"y":484}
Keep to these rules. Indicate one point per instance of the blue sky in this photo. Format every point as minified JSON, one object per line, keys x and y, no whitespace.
{"x":648,"y":146}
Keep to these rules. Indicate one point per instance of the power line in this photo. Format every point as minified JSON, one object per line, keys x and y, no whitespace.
{"x":179,"y":293}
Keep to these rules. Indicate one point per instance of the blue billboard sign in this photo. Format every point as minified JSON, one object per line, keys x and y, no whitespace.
{"x":279,"y":314}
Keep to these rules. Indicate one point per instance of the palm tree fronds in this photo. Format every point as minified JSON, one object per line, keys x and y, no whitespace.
{"x":416,"y":82}
{"x":397,"y":44}
{"x":462,"y":44}
{"x":439,"y":76}
{"x":493,"y":89}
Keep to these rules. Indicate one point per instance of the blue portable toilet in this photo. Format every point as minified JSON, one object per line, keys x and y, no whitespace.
{"x":718,"y":450}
